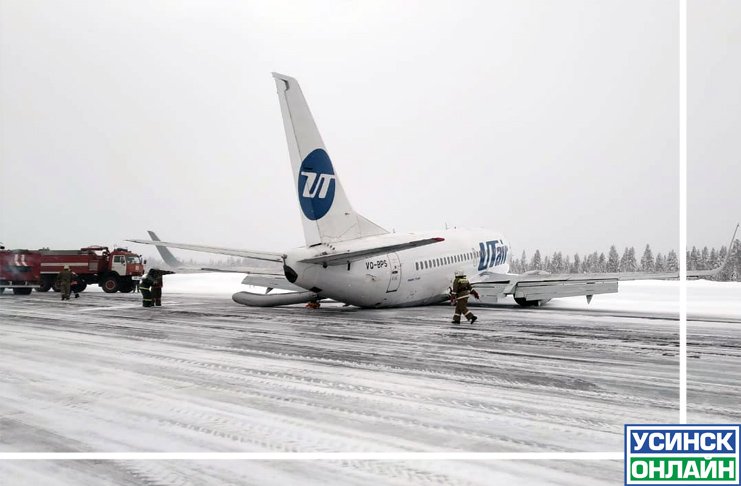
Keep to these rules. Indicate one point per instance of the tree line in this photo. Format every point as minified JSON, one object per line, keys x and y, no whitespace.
{"x":613,"y":262}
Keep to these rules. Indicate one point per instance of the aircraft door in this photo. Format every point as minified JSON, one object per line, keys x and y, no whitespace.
{"x":395,"y":271}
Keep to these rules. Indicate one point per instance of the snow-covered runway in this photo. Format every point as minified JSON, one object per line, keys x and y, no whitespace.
{"x":103,"y":374}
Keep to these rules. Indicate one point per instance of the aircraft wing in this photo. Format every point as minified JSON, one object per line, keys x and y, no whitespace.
{"x":539,"y":285}
{"x":256,"y":255}
{"x":341,"y":258}
{"x":544,"y":286}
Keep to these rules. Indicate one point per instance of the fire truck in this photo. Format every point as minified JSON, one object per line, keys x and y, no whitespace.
{"x":114,"y":271}
{"x":20,"y":270}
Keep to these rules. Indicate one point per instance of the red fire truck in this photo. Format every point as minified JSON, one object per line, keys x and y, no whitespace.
{"x":20,"y":270}
{"x":114,"y":271}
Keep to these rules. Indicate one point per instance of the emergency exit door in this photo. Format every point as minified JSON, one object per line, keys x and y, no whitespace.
{"x":395,"y":269}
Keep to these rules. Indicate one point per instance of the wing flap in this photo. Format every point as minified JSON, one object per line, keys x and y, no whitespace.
{"x":349,"y":256}
{"x":271,"y":281}
{"x":552,"y":290}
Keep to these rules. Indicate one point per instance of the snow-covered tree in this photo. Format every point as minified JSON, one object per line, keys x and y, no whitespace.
{"x":647,"y":260}
{"x":704,"y":259}
{"x":536,"y":263}
{"x":557,"y":262}
{"x":628,"y":261}
{"x":523,"y":263}
{"x":672,"y":262}
{"x":613,"y":260}
{"x":660,"y":264}
{"x":693,"y":259}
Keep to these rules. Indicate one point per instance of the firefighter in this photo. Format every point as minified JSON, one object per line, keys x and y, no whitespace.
{"x":64,"y":282}
{"x":145,"y":287}
{"x":460,"y":292}
{"x":313,"y":304}
{"x":157,"y":286}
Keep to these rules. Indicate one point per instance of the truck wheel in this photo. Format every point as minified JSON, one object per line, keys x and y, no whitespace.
{"x":23,"y":291}
{"x":110,"y":284}
{"x":45,"y":286}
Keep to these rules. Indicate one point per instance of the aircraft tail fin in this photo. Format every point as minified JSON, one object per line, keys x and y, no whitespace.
{"x":326,"y":212}
{"x":165,"y":252}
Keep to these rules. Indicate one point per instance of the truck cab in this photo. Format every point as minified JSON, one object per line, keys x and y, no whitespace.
{"x":123,"y":270}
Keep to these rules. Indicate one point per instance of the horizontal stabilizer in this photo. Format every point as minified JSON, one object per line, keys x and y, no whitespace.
{"x":349,"y":256}
{"x":256,"y":255}
{"x":166,"y":255}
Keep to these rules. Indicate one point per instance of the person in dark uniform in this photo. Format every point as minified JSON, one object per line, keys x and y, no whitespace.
{"x":157,"y":284}
{"x":145,"y":287}
{"x":64,"y":282}
{"x":461,"y":291}
{"x":157,"y":289}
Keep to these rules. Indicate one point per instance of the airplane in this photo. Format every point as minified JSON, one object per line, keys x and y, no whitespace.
{"x":350,"y":259}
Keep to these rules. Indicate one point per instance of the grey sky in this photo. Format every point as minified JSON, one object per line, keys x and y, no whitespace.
{"x":552,"y":122}
{"x":713,"y":121}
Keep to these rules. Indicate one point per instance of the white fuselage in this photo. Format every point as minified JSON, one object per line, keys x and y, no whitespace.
{"x":415,"y":276}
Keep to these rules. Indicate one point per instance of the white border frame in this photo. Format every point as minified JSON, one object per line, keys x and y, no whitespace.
{"x":454,"y":456}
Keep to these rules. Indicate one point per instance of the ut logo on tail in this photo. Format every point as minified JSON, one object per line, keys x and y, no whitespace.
{"x":316,"y":184}
{"x":491,"y":253}
{"x":321,"y":188}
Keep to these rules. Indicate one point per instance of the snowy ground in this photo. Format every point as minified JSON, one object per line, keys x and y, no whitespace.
{"x":100,"y":373}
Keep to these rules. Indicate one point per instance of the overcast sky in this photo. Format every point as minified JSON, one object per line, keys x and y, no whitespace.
{"x":555,"y":123}
{"x":713,"y":121}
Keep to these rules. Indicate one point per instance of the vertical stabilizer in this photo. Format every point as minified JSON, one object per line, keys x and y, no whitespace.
{"x":326,"y":213}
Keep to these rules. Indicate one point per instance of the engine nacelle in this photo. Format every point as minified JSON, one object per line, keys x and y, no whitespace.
{"x":272,"y":300}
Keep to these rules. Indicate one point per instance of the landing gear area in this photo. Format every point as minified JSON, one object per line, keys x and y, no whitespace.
{"x":522,"y":302}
